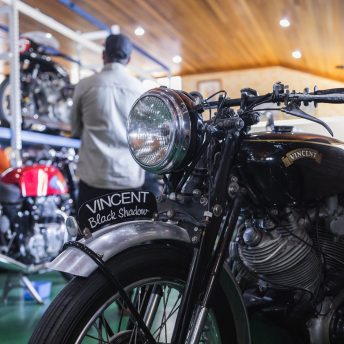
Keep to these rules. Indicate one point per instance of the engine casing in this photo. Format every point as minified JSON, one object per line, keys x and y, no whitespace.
{"x":295,"y":248}
{"x":282,"y":260}
{"x":282,"y":257}
{"x":34,"y":232}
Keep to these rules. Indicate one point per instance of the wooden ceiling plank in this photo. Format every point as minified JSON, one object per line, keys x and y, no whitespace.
{"x":215,"y":35}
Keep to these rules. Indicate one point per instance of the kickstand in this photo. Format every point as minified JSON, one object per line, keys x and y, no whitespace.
{"x":24,"y":283}
{"x":28,"y":284}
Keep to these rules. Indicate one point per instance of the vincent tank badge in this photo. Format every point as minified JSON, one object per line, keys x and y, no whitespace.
{"x":301,"y":153}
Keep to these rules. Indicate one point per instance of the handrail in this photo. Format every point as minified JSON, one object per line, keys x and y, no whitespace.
{"x":33,"y":137}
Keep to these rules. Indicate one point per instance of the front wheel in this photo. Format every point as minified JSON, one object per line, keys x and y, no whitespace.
{"x":28,"y":104}
{"x":5,"y":113}
{"x":88,"y":310}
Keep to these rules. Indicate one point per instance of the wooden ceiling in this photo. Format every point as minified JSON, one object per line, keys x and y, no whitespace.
{"x":215,"y":35}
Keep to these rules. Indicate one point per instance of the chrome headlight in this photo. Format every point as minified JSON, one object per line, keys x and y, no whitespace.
{"x":159,"y":130}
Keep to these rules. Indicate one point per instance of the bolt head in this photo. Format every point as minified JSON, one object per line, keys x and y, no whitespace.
{"x":217,"y":210}
{"x":203,"y":200}
{"x":194,"y":239}
{"x":170,"y":213}
{"x":197,"y":192}
{"x":180,"y":197}
{"x":87,"y":233}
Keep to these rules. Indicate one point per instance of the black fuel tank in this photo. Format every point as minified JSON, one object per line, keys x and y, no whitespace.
{"x":285,"y":168}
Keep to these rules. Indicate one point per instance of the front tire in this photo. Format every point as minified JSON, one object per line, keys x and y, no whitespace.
{"x":87,"y":307}
{"x":4,"y":100}
{"x":28,"y":110}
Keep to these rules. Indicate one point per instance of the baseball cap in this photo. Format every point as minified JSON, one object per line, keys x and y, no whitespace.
{"x":118,"y":47}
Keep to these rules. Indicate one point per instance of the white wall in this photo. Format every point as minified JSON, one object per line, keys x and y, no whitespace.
{"x":262,"y":79}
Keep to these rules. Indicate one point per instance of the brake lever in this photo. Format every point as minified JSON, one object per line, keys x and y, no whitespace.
{"x":293,"y":109}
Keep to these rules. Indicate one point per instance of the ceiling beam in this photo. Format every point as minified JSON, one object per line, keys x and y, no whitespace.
{"x":56,"y":26}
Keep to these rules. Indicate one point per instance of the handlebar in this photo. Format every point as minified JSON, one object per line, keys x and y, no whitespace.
{"x":332,"y":96}
{"x":320,"y":98}
{"x":291,"y":100}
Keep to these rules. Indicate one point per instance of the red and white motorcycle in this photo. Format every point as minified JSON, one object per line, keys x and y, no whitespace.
{"x":35,"y":201}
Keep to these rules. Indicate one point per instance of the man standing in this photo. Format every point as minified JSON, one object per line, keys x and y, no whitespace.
{"x":102,"y":103}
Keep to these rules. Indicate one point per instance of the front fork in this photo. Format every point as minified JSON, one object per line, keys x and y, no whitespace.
{"x":209,"y":256}
{"x":219,"y":258}
{"x":202,"y":279}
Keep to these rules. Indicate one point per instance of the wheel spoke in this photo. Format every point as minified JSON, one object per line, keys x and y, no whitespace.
{"x":173,"y":311}
{"x":111,"y":322}
{"x":164,"y":321}
{"x":131,"y":337}
{"x":97,"y":339}
{"x":120,"y":305}
{"x":99,"y":329}
{"x":165,"y":308}
{"x":106,"y":326}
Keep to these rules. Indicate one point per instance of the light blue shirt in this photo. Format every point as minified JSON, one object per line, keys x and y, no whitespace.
{"x":101,"y":106}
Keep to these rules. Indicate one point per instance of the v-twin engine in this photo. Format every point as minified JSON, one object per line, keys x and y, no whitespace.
{"x":292,"y":260}
{"x":282,"y":255}
{"x":290,"y":249}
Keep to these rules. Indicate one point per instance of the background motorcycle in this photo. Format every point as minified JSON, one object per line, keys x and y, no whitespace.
{"x":35,"y":201}
{"x":275,"y":199}
{"x":46,"y":91}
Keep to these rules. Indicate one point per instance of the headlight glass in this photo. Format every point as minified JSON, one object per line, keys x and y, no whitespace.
{"x":159,"y":130}
{"x":150,"y":130}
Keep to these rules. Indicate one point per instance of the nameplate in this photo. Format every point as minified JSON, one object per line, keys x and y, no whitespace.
{"x":116,"y":207}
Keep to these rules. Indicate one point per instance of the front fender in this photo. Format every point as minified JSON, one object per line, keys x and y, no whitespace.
{"x":115,"y":239}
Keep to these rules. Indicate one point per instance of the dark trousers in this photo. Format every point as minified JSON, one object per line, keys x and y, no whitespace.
{"x":88,"y":192}
{"x":151,"y":184}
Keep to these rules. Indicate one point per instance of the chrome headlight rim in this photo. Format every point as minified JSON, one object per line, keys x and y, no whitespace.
{"x":181,"y":140}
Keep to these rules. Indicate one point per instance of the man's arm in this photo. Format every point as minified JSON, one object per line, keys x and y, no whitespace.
{"x":76,"y":115}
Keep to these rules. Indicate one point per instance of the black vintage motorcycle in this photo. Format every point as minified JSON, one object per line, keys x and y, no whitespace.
{"x":250,"y":226}
{"x":46,"y":90}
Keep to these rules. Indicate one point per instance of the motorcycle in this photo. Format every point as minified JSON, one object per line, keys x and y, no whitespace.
{"x":249,"y":226}
{"x":35,"y":201}
{"x":46,"y":90}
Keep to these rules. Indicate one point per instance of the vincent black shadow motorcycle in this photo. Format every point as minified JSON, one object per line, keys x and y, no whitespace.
{"x":46,"y":90}
{"x":249,"y":226}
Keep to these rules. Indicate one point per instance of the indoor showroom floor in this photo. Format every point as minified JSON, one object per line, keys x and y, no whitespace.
{"x":18,"y":317}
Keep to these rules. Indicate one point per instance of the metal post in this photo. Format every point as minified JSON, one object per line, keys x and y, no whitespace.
{"x":31,"y":289}
{"x":15,"y":104}
{"x":169,"y":76}
{"x":78,"y":56}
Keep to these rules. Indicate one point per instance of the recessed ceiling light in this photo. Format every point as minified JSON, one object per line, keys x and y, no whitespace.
{"x":296,"y":54}
{"x":284,"y":22}
{"x":177,"y":59}
{"x":139,"y":31}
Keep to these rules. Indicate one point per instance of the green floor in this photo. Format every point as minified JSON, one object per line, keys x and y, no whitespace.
{"x":18,"y":317}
